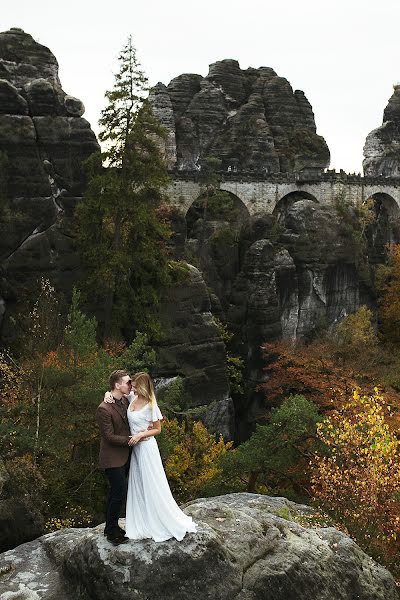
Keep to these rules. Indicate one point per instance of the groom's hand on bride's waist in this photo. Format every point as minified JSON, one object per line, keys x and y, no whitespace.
{"x":135,"y":439}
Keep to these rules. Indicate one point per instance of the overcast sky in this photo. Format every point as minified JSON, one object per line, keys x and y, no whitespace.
{"x":344,"y":55}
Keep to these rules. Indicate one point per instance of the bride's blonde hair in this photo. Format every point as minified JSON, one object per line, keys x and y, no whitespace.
{"x":144,"y":387}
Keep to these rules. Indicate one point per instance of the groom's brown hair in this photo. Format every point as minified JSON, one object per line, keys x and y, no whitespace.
{"x":116,"y":377}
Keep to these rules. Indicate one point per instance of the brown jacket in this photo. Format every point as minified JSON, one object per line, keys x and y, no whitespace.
{"x":114,"y":430}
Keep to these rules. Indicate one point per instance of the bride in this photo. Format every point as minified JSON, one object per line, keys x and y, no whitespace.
{"x":151,"y":511}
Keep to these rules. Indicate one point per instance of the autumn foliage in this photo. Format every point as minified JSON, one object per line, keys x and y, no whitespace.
{"x":311,"y":370}
{"x":191,"y":456}
{"x":388,"y":283}
{"x":357,"y":476}
{"x":327,"y":370}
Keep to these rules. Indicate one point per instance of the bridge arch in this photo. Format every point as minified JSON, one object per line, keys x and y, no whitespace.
{"x":223,"y":205}
{"x":289,"y":199}
{"x":215,"y":240}
{"x":384,"y":228}
{"x":384,"y":201}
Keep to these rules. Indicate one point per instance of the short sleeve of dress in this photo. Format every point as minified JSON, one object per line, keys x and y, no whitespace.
{"x":156,"y":413}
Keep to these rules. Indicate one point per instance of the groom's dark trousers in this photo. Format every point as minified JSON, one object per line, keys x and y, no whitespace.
{"x":116,"y":495}
{"x":114,"y":456}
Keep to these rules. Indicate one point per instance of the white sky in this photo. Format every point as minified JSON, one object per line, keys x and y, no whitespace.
{"x":344,"y":55}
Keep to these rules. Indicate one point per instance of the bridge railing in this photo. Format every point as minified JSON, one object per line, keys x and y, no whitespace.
{"x":298,"y":177}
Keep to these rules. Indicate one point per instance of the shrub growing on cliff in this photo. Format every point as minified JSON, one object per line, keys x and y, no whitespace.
{"x":355,"y":335}
{"x":234,"y":363}
{"x":122,"y":241}
{"x":191,"y":456}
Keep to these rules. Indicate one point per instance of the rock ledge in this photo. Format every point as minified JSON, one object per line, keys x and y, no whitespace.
{"x":248,"y":547}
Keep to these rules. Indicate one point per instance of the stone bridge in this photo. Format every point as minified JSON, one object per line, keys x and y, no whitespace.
{"x":262,"y":195}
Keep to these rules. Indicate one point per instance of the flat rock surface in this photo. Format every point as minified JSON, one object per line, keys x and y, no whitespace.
{"x":247,"y":547}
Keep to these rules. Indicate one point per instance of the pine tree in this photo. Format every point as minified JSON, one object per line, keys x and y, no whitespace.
{"x":121,"y":239}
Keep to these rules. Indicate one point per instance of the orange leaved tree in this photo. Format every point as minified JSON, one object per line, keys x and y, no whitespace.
{"x":311,"y":370}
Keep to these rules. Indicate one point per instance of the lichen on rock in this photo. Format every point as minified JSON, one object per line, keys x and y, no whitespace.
{"x":247,"y":547}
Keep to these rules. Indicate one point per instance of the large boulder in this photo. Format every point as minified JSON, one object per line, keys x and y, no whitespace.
{"x":251,"y":119}
{"x":247,"y":547}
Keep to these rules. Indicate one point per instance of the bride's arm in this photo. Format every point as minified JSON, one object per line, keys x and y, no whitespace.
{"x":153,"y":429}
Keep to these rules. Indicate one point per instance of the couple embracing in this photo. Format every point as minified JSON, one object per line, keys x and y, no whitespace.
{"x":128,"y":419}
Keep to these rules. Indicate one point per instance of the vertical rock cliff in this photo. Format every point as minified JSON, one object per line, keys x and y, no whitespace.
{"x":382,"y":146}
{"x":43,"y":143}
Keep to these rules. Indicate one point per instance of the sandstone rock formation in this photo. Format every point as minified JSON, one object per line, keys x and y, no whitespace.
{"x":193,"y":349}
{"x":251,"y":119}
{"x":43,"y":142}
{"x":20,"y":518}
{"x":382,"y":146}
{"x":248,"y":547}
{"x":281,"y":275}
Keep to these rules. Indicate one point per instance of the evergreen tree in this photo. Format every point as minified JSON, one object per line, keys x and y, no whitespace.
{"x":276,"y":456}
{"x":121,"y":238}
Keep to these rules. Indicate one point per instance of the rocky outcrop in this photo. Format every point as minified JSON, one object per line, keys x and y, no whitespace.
{"x":192,"y":348}
{"x":251,"y":119}
{"x":20,"y":517}
{"x":299,"y":273}
{"x":247,"y":547}
{"x":43,"y":142}
{"x":162,"y":109}
{"x":382,"y":146}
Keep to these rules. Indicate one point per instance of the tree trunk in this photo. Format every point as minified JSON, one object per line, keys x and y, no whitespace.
{"x":251,"y":484}
{"x":110,"y":294}
{"x":38,"y":406}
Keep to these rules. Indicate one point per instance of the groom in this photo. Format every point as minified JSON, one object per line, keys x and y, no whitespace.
{"x":114,"y":451}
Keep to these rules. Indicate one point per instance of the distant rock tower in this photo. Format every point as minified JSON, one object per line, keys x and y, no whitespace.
{"x":250,"y":119}
{"x":382,"y":146}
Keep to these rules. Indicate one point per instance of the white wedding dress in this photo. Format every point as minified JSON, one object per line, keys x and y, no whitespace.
{"x":151,"y":511}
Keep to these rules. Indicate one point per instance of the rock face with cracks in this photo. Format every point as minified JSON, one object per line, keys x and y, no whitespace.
{"x":382,"y":146}
{"x":251,"y":119}
{"x":43,"y":143}
{"x":248,"y":547}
